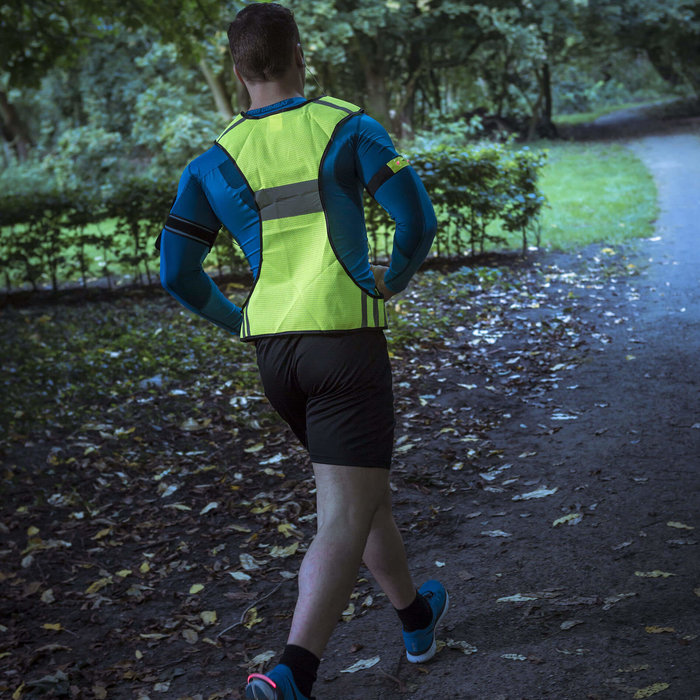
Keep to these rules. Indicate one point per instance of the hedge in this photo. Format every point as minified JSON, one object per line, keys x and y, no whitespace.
{"x":52,"y":236}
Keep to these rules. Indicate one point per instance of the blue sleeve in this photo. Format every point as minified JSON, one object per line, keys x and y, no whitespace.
{"x":403,"y":196}
{"x":186,"y":240}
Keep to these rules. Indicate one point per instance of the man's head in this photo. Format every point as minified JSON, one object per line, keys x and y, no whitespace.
{"x":263,"y":40}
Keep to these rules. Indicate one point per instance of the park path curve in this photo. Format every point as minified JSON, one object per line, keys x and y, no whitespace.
{"x":603,"y":622}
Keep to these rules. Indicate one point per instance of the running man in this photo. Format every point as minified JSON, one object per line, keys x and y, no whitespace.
{"x":286,"y":178}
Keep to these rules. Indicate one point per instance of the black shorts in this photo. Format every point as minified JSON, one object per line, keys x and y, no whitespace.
{"x":335,"y":393}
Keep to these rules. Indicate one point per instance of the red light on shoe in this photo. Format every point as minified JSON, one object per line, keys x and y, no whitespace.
{"x":262,"y":678}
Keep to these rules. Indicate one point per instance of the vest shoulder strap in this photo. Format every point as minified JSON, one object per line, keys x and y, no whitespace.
{"x":347,"y":107}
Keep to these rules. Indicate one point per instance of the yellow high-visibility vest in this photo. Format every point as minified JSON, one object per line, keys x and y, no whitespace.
{"x":301,"y":287}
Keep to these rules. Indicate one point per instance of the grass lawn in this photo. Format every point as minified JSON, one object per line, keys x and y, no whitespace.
{"x":595,"y":193}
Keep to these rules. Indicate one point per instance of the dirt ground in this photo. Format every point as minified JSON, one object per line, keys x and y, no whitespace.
{"x":562,"y":513}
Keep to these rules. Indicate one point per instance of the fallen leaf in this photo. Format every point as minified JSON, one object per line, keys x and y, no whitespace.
{"x":634,"y":668}
{"x":238,"y":575}
{"x":32,"y":530}
{"x":361,"y":665}
{"x":515,"y":657}
{"x":98,"y":585}
{"x":568,"y":624}
{"x":102,"y":533}
{"x":563,"y":416}
{"x":251,"y":618}
{"x":496,"y":533}
{"x":262,"y":658}
{"x":653,"y":574}
{"x":283,"y":552}
{"x":287,"y":529}
{"x":517,"y":598}
{"x":254,"y":448}
{"x":190,"y":636}
{"x":196,"y":588}
{"x":248,"y":562}
{"x":123,"y":573}
{"x":541,"y":492}
{"x":462,"y":646}
{"x":192,"y":425}
{"x":611,"y":600}
{"x":654,"y":629}
{"x":697,"y":591}
{"x":169,"y":490}
{"x":679,"y":526}
{"x":47,"y":596}
{"x":570,"y":519}
{"x":208,"y":616}
{"x":650,"y":690}
{"x":208,"y":507}
{"x":161,"y":687}
{"x":55,"y":626}
{"x":348,"y":613}
{"x":99,"y":691}
{"x":145,"y":567}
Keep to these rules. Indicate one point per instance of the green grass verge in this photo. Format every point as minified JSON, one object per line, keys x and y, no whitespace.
{"x":596,"y":193}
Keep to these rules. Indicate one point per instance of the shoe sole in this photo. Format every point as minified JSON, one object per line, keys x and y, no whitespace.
{"x":259,"y":690}
{"x":426,"y":656}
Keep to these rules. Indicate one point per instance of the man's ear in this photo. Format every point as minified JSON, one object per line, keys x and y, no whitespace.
{"x":238,"y":75}
{"x":299,"y":56}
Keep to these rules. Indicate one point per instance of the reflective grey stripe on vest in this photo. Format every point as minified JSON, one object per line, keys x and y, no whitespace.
{"x":289,"y":200}
{"x":366,"y":301}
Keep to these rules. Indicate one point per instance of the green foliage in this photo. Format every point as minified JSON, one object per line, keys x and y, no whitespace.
{"x":57,"y":234}
{"x":471,"y":188}
{"x":623,"y":78}
{"x":47,"y":234}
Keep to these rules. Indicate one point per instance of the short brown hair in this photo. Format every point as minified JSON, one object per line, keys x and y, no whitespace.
{"x":262,"y":40}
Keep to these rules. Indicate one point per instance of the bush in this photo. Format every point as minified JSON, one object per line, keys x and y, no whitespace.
{"x":470,"y":188}
{"x":64,"y":232}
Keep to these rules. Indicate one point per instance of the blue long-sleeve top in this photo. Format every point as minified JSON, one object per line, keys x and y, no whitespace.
{"x":212,"y":193}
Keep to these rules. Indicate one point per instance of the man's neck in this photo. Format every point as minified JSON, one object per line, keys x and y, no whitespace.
{"x":270,"y":92}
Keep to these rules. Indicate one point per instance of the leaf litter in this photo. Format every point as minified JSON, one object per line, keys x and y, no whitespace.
{"x":111,"y":434}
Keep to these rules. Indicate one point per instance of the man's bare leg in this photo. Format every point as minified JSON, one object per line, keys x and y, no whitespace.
{"x":385,"y":557}
{"x":348,"y":499}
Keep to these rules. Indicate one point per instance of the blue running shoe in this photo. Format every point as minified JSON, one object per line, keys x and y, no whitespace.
{"x":420,"y":644}
{"x":278,"y":684}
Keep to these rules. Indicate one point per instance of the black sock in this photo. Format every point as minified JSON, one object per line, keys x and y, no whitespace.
{"x":304,"y":665}
{"x":417,"y":615}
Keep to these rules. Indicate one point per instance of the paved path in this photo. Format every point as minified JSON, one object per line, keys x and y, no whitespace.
{"x":628,"y":461}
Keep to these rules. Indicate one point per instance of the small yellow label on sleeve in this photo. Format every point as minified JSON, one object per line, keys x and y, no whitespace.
{"x":397,"y":163}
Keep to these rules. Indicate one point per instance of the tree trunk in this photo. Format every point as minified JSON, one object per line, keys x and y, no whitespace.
{"x":14,"y":130}
{"x":403,"y":122}
{"x":548,"y":126}
{"x":218,"y":90}
{"x":536,"y":109}
{"x":377,"y":96}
